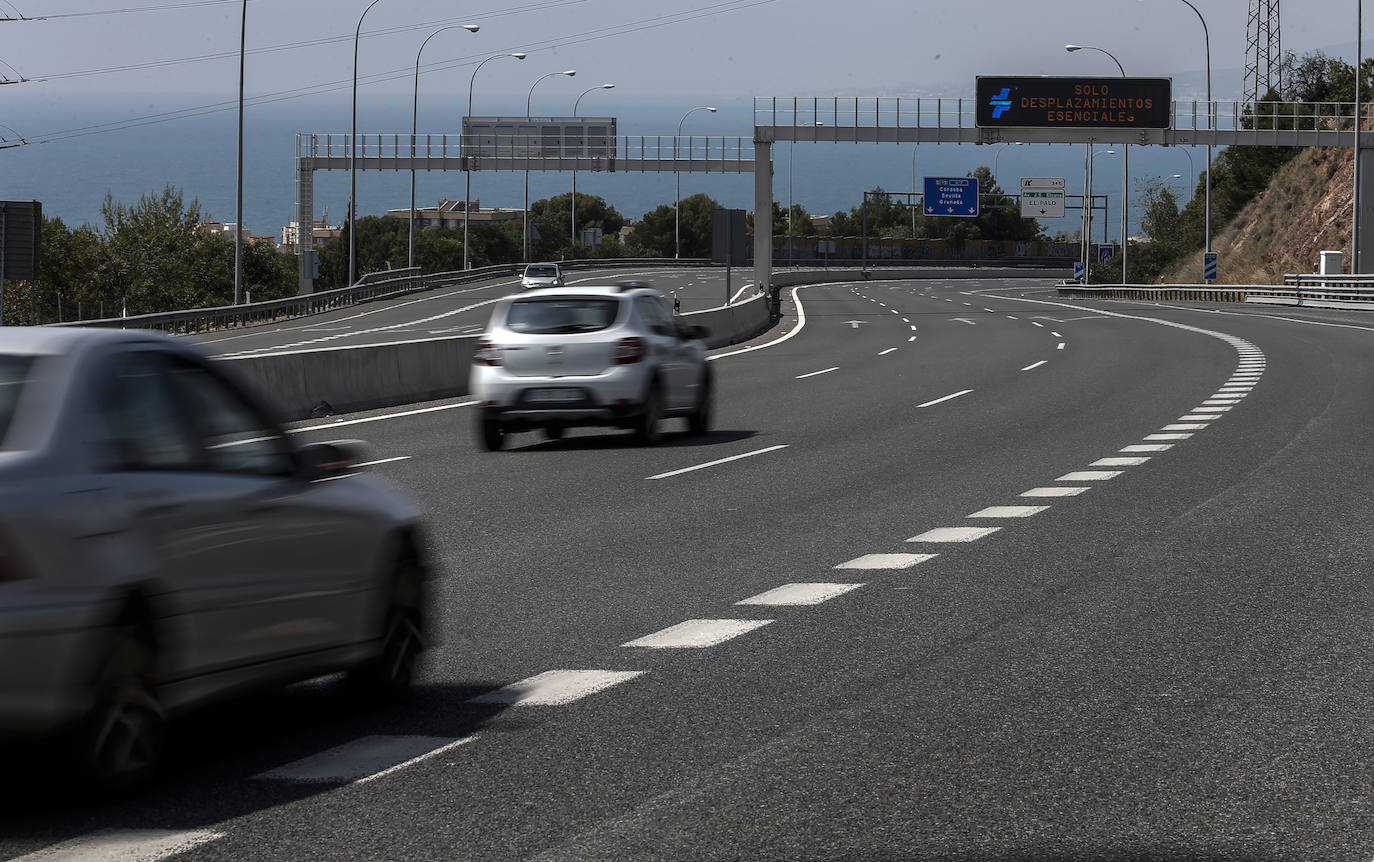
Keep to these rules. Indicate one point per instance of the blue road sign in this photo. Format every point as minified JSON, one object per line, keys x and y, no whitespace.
{"x":951,"y":196}
{"x":1078,"y":270}
{"x":1105,"y":251}
{"x":1209,"y":266}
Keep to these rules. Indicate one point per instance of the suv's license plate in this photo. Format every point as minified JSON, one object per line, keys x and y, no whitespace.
{"x":553,"y":396}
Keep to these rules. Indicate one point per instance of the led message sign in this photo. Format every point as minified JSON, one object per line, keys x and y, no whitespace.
{"x":1093,"y":103}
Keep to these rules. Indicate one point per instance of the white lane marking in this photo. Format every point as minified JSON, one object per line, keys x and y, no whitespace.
{"x":801,"y":324}
{"x":1215,"y":401}
{"x":946,"y":398}
{"x":814,"y":373}
{"x":912,"y":338}
{"x":1009,"y":317}
{"x":1171,"y":436}
{"x":886,"y":561}
{"x":1195,"y":417}
{"x":1089,"y":476}
{"x":1119,"y":462}
{"x":697,"y":634}
{"x":1041,"y":325}
{"x":1184,"y":426}
{"x":1008,"y":511}
{"x":799,"y":594}
{"x":341,"y":423}
{"x":989,"y":311}
{"x":894,"y":311}
{"x":1036,"y":365}
{"x":123,"y":845}
{"x":362,"y":759}
{"x":954,"y":534}
{"x":965,"y":320}
{"x":556,"y":687}
{"x":1212,"y":409}
{"x":1147,"y":447}
{"x":1060,"y":346}
{"x":1055,"y":334}
{"x":906,"y":320}
{"x":740,"y":293}
{"x":719,"y":461}
{"x":325,"y":328}
{"x":1065,"y":491}
{"x":887,"y":351}
{"x":383,"y":461}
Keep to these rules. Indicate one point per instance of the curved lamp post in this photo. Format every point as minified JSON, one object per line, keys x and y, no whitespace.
{"x":529,"y":100}
{"x":352,"y":156}
{"x":1211,"y":127}
{"x":1125,"y":159}
{"x":414,"y":123}
{"x":677,"y":181}
{"x":238,"y":188}
{"x":467,"y":193}
{"x":573,"y":220}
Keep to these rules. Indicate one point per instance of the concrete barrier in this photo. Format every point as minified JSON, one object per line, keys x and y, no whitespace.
{"x":792,"y":278}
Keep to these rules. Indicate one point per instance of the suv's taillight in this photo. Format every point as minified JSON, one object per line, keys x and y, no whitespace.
{"x":628,"y":351}
{"x":486,"y":353}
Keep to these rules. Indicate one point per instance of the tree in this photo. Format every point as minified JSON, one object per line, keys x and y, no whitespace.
{"x":147,"y":265}
{"x":553,"y":219}
{"x":653,"y":236}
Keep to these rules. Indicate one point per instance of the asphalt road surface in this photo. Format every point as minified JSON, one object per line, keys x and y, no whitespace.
{"x":966,"y":571}
{"x":460,"y":310}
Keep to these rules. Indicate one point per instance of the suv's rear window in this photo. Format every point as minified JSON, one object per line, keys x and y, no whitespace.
{"x":14,"y":373}
{"x":561,"y":315}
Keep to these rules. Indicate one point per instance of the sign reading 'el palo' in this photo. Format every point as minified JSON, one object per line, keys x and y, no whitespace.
{"x":1093,"y":103}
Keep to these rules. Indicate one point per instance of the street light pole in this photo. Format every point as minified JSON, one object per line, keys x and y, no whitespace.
{"x":238,"y":189}
{"x":573,"y":219}
{"x":352,"y":157}
{"x":1211,"y":127}
{"x":1191,"y":173}
{"x":1125,"y":161}
{"x":911,"y":204}
{"x":467,"y":170}
{"x":525,"y":238}
{"x":414,"y":128}
{"x":677,"y":182}
{"x":1355,"y":262}
{"x":1087,"y":240}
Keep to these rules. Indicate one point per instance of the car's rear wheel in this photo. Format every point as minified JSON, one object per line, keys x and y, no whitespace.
{"x":699,"y":420}
{"x":490,"y":434}
{"x":648,"y":428}
{"x":120,"y":745}
{"x":388,"y":676}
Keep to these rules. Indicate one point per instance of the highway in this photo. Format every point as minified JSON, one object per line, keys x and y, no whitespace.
{"x":966,"y":571}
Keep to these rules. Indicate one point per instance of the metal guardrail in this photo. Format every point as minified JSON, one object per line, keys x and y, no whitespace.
{"x":386,"y":286}
{"x":1305,"y":291}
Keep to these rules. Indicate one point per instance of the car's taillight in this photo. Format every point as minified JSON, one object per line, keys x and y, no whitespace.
{"x":628,"y":351}
{"x":486,"y":353}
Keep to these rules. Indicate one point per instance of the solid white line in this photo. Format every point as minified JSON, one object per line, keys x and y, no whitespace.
{"x":887,"y":351}
{"x":814,"y":373}
{"x":344,"y":422}
{"x":799,"y":594}
{"x":946,"y":398}
{"x":740,"y":292}
{"x":1035,"y":365}
{"x":123,"y":845}
{"x":383,"y":461}
{"x":719,"y":461}
{"x":697,"y":634}
{"x":556,"y":687}
{"x":886,"y":561}
{"x":954,"y":534}
{"x":1008,"y":512}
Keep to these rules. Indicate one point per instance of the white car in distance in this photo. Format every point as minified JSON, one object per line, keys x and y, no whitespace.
{"x":611,"y":356}
{"x":538,"y":275}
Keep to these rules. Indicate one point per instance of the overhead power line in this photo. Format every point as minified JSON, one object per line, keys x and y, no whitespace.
{"x":20,"y":16}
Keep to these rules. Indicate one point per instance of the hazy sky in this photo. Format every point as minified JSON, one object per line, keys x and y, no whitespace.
{"x":671,"y":48}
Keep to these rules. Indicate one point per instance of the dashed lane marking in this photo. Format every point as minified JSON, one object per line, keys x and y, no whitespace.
{"x":1120,"y":462}
{"x":954,"y":534}
{"x":1008,"y":511}
{"x":1147,"y":447}
{"x":1089,"y":476}
{"x":1172,"y":435}
{"x":1063,"y":491}
{"x":799,"y":594}
{"x":1184,"y":426}
{"x":697,"y":634}
{"x":556,"y":687}
{"x":814,"y":373}
{"x":886,"y":561}
{"x":365,"y":759}
{"x":719,"y":461}
{"x":1035,"y":365}
{"x":945,"y":398}
{"x":887,"y":351}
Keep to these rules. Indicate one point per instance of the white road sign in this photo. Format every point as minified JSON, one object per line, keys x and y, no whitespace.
{"x":1042,"y":197}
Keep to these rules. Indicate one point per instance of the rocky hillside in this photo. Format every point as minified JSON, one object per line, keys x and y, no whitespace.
{"x":1307,"y":208}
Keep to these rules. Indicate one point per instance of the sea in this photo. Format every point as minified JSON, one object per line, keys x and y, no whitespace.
{"x":79,"y":148}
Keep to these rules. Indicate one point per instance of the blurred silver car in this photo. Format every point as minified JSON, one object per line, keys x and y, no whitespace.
{"x":563,"y":357}
{"x":164,"y":543}
{"x":541,"y":275}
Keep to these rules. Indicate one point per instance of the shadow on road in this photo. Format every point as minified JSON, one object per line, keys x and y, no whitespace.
{"x":609,"y":440}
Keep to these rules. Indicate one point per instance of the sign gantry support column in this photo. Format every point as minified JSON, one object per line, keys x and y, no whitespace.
{"x":763,"y":215}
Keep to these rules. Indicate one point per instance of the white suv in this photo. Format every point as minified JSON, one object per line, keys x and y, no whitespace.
{"x":541,"y":275}
{"x":562,"y":357}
